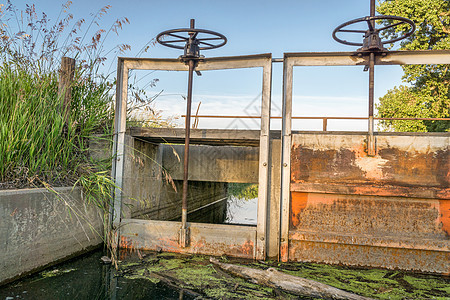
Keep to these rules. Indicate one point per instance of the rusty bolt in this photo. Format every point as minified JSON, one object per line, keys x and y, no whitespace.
{"x":285,"y":165}
{"x":264,"y":164}
{"x":262,"y":238}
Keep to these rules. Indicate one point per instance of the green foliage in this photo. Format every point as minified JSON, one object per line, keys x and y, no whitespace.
{"x":409,"y":103}
{"x":245,"y":191}
{"x":427,"y":93}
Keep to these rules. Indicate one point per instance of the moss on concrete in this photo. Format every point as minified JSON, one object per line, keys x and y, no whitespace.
{"x":195,"y":273}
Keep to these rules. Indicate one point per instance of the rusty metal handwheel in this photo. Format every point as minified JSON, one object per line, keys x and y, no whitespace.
{"x":372,"y":30}
{"x":211,"y":39}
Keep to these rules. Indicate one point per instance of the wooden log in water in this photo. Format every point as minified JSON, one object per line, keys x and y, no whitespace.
{"x":288,"y":283}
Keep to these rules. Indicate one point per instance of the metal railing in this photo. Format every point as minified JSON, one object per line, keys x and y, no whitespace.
{"x":324,"y":119}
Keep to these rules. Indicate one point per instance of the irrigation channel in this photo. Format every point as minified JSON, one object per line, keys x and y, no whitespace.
{"x":86,"y":277}
{"x":160,"y":275}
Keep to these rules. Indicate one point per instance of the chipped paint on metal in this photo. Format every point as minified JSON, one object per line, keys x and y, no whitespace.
{"x":383,"y":216}
{"x":284,"y":252}
{"x":398,"y":164}
{"x":444,"y":218}
{"x":363,"y":256}
{"x":372,"y":166}
{"x":298,"y":204}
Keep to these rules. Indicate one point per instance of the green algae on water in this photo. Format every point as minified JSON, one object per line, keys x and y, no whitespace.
{"x":196,"y":273}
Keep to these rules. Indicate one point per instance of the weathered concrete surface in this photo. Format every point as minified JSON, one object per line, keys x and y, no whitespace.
{"x":208,"y":239}
{"x":213,"y":163}
{"x":143,"y":178}
{"x":39,"y":227}
{"x":152,"y":190}
{"x":152,"y":175}
{"x":390,"y":211}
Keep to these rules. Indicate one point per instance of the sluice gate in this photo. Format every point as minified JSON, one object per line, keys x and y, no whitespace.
{"x":322,"y":197}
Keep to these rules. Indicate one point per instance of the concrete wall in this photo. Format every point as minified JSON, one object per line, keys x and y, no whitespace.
{"x":39,"y":228}
{"x":213,"y":163}
{"x":391,"y":210}
{"x":153,"y":175}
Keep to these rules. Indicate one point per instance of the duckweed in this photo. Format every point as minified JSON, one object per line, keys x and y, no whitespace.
{"x":195,"y":273}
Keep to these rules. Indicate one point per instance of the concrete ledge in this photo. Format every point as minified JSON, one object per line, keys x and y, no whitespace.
{"x":39,"y":228}
{"x":207,"y":239}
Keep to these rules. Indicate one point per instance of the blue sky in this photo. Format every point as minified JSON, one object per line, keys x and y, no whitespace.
{"x":252,"y":27}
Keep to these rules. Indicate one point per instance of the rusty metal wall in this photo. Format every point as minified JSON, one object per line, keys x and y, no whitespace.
{"x":390,"y":210}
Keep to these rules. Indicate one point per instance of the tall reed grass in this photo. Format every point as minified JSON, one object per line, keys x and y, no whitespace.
{"x":38,"y":147}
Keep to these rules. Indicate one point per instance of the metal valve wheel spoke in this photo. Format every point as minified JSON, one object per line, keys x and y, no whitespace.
{"x":193,"y":36}
{"x":355,"y":31}
{"x":177,"y":36}
{"x":373,"y":30}
{"x":390,"y":26}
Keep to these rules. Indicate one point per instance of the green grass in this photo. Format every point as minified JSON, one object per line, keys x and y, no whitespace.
{"x":37,"y":147}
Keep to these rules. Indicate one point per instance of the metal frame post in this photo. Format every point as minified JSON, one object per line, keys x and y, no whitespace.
{"x":371,"y":151}
{"x":118,"y":151}
{"x":264,"y":159}
{"x":218,"y":63}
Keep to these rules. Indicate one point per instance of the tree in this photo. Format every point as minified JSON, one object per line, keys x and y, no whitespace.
{"x":426,"y":92}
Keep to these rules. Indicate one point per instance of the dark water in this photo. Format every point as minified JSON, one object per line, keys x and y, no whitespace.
{"x":85,"y":278}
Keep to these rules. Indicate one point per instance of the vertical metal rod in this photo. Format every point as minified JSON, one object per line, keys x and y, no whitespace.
{"x":372,"y":8}
{"x":371,"y":139}
{"x":186,"y":144}
{"x":184,"y":231}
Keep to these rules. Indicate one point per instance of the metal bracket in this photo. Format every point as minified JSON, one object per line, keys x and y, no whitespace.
{"x":184,"y":237}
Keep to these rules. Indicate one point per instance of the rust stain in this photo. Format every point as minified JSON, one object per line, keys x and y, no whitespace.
{"x":390,"y":166}
{"x":301,"y":201}
{"x":14,"y":212}
{"x":370,"y":220}
{"x":169,"y":244}
{"x":310,"y":165}
{"x":284,"y":252}
{"x":443,"y":194}
{"x":220,"y":248}
{"x":364,"y":256}
{"x":417,"y":168}
{"x":360,"y":150}
{"x":444,"y":209}
{"x":125,"y":243}
{"x":298,"y":204}
{"x":247,"y":247}
{"x":128,"y":246}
